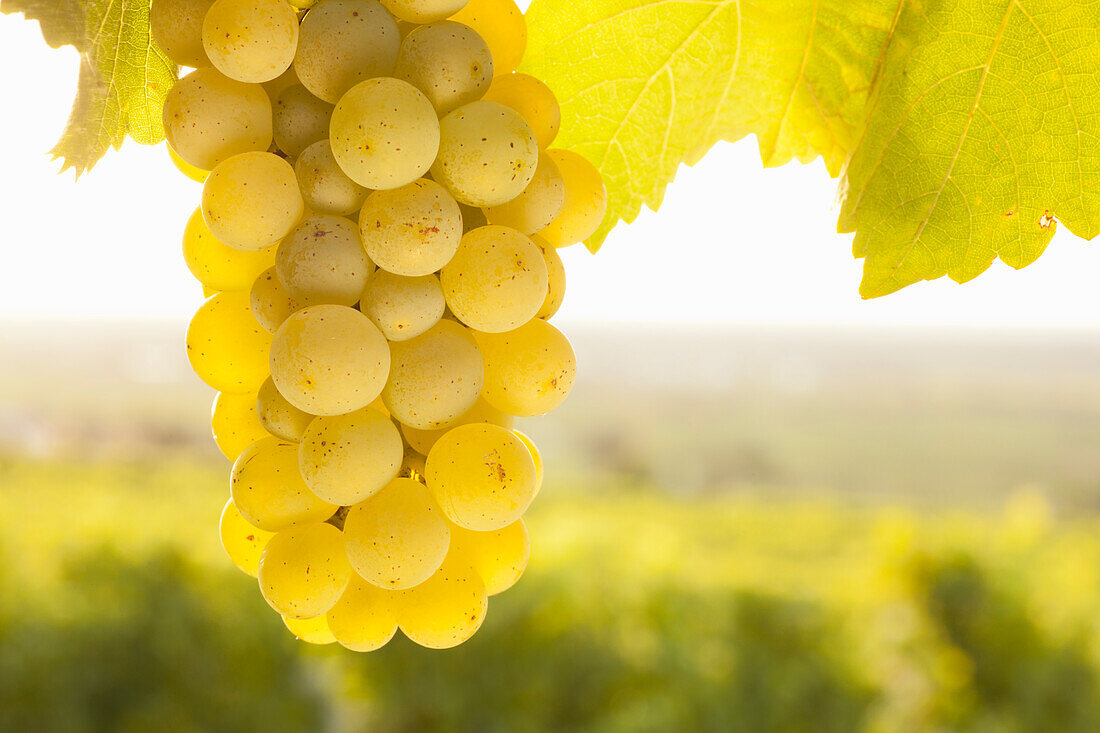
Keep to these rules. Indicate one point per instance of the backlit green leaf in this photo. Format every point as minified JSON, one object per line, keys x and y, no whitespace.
{"x":124,"y":77}
{"x":984,"y":131}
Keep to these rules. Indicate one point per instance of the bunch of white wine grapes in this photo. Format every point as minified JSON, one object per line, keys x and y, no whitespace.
{"x":377,"y":237}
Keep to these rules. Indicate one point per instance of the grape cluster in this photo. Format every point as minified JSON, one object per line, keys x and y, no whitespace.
{"x":377,"y":238}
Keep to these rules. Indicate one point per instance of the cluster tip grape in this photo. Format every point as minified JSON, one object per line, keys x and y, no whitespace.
{"x":377,"y":239}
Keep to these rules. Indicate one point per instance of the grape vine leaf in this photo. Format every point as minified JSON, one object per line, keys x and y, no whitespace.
{"x":961,"y":129}
{"x":123,"y":77}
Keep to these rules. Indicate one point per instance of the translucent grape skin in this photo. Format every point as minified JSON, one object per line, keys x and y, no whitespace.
{"x":176,"y":27}
{"x":227,"y":348}
{"x":435,"y":378}
{"x":279,"y":84}
{"x":271,"y":303}
{"x":528,"y":371}
{"x":242,"y":542}
{"x":365,"y":617}
{"x":482,"y":412}
{"x":497,"y":280}
{"x":343,"y":43}
{"x":502,"y":25}
{"x":209,"y":118}
{"x":540,"y":470}
{"x":279,"y":417}
{"x":322,"y":262}
{"x":268,"y":490}
{"x":251,"y":201}
{"x":397,"y":538}
{"x":346,"y":459}
{"x":482,"y":476}
{"x":538,"y":204}
{"x":446,"y":610}
{"x":412,"y":230}
{"x":304,"y":570}
{"x":384,"y":133}
{"x":325,"y":188}
{"x":250,"y":40}
{"x":423,"y":11}
{"x":447,"y":61}
{"x":329,"y":360}
{"x":299,"y":120}
{"x":498,"y":557}
{"x":217,"y":265}
{"x":555,"y":268}
{"x":310,"y":630}
{"x":235,"y":423}
{"x":403,"y":307}
{"x":487,"y":154}
{"x":585,"y":201}
{"x":533,"y":100}
{"x":195,"y":174}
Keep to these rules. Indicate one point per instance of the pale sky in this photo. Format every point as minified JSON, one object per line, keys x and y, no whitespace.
{"x":733,"y":243}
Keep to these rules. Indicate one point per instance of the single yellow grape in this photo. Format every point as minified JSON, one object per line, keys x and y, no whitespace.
{"x":447,"y":61}
{"x":176,"y":27}
{"x":537,"y":205}
{"x":242,"y":542}
{"x":304,"y":570}
{"x":446,"y":610}
{"x":345,"y":459}
{"x":325,"y":188}
{"x":365,"y":617}
{"x":384,"y":133}
{"x":195,"y":174}
{"x":585,"y":201}
{"x":250,"y":40}
{"x":403,"y":307}
{"x":540,"y":470}
{"x":278,"y":416}
{"x":482,"y":476}
{"x":398,"y":537}
{"x":422,"y":440}
{"x":502,"y":25}
{"x":217,"y":265}
{"x":532,"y":99}
{"x":235,"y":423}
{"x":498,"y":557}
{"x":271,"y":303}
{"x":412,"y":230}
{"x":343,"y":43}
{"x":227,"y":348}
{"x":299,"y":120}
{"x":529,"y":371}
{"x":497,"y":280}
{"x":423,"y":11}
{"x":487,"y":154}
{"x":322,"y":262}
{"x":209,"y":118}
{"x":251,"y":201}
{"x":269,"y":491}
{"x":311,"y":630}
{"x":329,"y":360}
{"x":434,"y":378}
{"x":555,"y":268}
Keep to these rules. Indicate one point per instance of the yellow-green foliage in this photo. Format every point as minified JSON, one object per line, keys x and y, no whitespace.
{"x":637,"y":613}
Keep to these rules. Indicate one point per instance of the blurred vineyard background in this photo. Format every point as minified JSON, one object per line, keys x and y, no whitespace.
{"x":741,"y":531}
